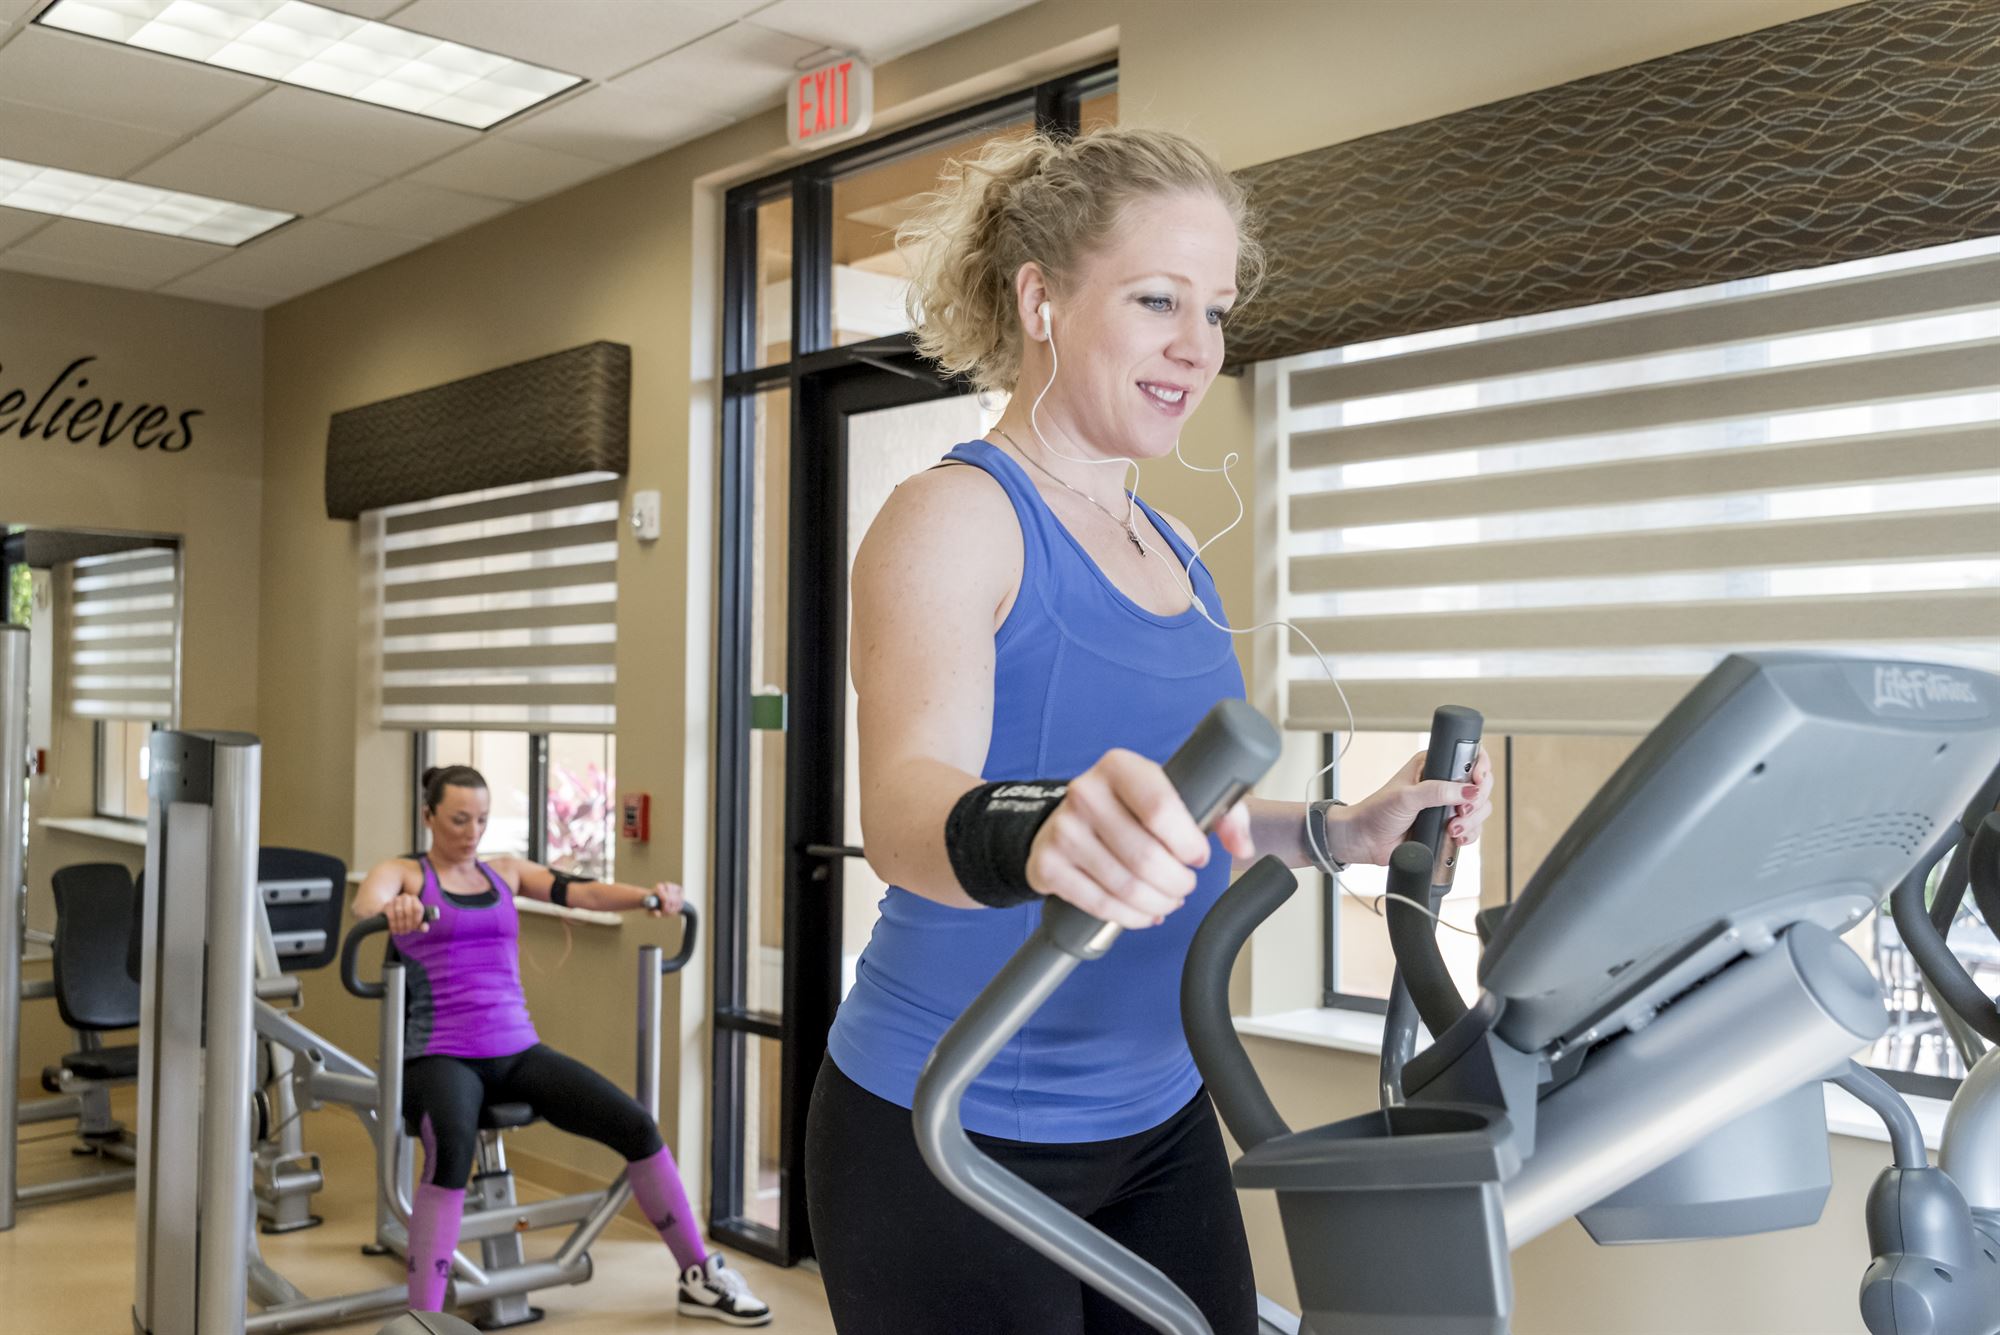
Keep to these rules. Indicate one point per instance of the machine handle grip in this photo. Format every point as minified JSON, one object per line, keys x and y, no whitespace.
{"x":350,"y":952}
{"x":690,"y":921}
{"x":1240,"y":1096}
{"x":1228,"y":751}
{"x":1454,"y":749}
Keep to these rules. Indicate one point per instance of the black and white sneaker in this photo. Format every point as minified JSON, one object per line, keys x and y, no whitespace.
{"x":713,"y":1290}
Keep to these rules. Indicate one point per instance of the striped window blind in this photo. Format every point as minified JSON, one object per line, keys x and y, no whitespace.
{"x":124,"y":625}
{"x":1563,"y":519}
{"x":496,"y":609}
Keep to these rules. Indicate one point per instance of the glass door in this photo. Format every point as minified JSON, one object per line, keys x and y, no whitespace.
{"x":826,"y":408}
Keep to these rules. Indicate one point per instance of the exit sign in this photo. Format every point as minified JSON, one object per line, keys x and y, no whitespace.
{"x":831,"y":103}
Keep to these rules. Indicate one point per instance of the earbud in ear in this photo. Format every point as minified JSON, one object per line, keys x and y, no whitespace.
{"x":1048,"y":323}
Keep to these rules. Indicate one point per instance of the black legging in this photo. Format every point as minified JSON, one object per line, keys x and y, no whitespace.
{"x":901,"y":1255}
{"x":443,"y":1095}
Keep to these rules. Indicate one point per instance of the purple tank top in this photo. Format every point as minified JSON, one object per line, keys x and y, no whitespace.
{"x":464,"y":992}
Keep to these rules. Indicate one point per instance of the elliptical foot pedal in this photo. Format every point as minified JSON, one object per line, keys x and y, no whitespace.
{"x":534,"y":1314}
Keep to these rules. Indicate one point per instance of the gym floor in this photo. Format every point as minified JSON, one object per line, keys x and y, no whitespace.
{"x":66,"y":1268}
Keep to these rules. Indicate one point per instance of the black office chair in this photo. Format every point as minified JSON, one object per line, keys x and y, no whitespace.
{"x":94,"y":992}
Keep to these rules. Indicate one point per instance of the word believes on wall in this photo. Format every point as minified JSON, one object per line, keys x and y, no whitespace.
{"x":65,"y":408}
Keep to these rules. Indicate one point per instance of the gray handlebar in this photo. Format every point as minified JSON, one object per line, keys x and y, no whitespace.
{"x":350,"y":953}
{"x":1421,"y":985}
{"x":1240,"y":1097}
{"x":1228,"y":752}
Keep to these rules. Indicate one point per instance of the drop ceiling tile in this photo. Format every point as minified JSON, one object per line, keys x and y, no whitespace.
{"x":421,"y":210}
{"x":277,"y":277}
{"x":77,"y":273}
{"x":594,"y":38}
{"x":317,"y":243}
{"x":77,"y":143}
{"x":735,"y":72}
{"x":143,"y":254}
{"x":612,"y":126}
{"x":196,"y":288}
{"x":366,"y":9}
{"x":880,"y":29}
{"x":206,"y":166}
{"x":507,"y":170}
{"x":340,"y":132}
{"x":86,"y":77}
{"x":17,"y":223}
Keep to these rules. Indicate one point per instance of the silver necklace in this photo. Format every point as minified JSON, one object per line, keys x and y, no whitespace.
{"x":1131,"y":533}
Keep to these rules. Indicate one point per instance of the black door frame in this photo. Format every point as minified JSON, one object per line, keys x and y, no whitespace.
{"x":828,"y":385}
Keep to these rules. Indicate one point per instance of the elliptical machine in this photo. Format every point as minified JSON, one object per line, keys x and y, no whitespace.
{"x":1658,"y":1007}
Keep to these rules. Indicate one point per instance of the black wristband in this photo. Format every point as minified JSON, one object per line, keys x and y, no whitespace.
{"x":559,"y":892}
{"x":989,"y":832}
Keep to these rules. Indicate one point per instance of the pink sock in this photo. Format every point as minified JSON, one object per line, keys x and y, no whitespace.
{"x":656,"y":1185}
{"x":434,"y":1221}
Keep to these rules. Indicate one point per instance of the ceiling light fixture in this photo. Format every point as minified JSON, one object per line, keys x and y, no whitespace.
{"x":323,"y":49}
{"x":145,"y":208}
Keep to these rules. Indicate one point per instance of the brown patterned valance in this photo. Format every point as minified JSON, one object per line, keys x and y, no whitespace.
{"x":555,"y":416}
{"x":1861,"y":131}
{"x":47,"y":548}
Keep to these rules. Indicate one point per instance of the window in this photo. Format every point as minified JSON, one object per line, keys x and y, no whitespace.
{"x":20,"y":607}
{"x":1357,"y":963}
{"x":554,"y":795}
{"x":122,"y":768}
{"x":1563,"y":520}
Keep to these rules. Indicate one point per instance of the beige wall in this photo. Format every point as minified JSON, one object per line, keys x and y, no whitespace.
{"x":159,"y":350}
{"x":633,"y":258}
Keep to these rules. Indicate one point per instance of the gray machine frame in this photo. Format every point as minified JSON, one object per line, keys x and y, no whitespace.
{"x":1659,"y":1009}
{"x":206,"y":950}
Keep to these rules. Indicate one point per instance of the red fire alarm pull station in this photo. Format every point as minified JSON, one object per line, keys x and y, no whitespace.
{"x":834,"y":102}
{"x":636,"y":817}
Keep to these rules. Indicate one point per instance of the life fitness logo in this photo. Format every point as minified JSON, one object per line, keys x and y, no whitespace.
{"x":830,"y":103}
{"x":1918,"y":690}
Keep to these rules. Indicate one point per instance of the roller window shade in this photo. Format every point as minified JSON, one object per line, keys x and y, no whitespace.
{"x":123,"y":631}
{"x":1562,"y":520}
{"x":497,"y":609}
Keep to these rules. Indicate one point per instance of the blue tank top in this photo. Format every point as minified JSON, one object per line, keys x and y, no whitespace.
{"x":1079,"y":668}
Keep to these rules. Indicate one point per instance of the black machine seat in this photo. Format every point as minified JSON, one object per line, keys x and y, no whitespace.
{"x":505,"y":1116}
{"x":106,"y":1064}
{"x":492,"y":1116}
{"x":94,"y":903}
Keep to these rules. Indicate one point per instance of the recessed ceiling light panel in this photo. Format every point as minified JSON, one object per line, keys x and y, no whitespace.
{"x":323,"y":49}
{"x":145,"y":208}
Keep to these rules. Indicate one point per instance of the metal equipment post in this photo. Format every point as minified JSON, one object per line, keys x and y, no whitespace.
{"x":196,"y":1077}
{"x":13,"y":896}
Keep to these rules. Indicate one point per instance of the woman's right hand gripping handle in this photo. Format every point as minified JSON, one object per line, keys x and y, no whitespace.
{"x":1122,"y":845}
{"x":406,"y":914}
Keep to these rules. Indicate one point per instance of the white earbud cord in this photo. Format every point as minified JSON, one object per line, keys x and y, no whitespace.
{"x":1321,"y":856}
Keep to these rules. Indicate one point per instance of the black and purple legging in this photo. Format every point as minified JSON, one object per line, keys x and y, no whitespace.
{"x":442,"y":1096}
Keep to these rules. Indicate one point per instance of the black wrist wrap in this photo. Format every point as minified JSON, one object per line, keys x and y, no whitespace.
{"x":989,"y":832}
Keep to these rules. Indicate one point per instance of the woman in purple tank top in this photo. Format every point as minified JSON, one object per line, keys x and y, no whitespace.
{"x":469,"y":1042}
